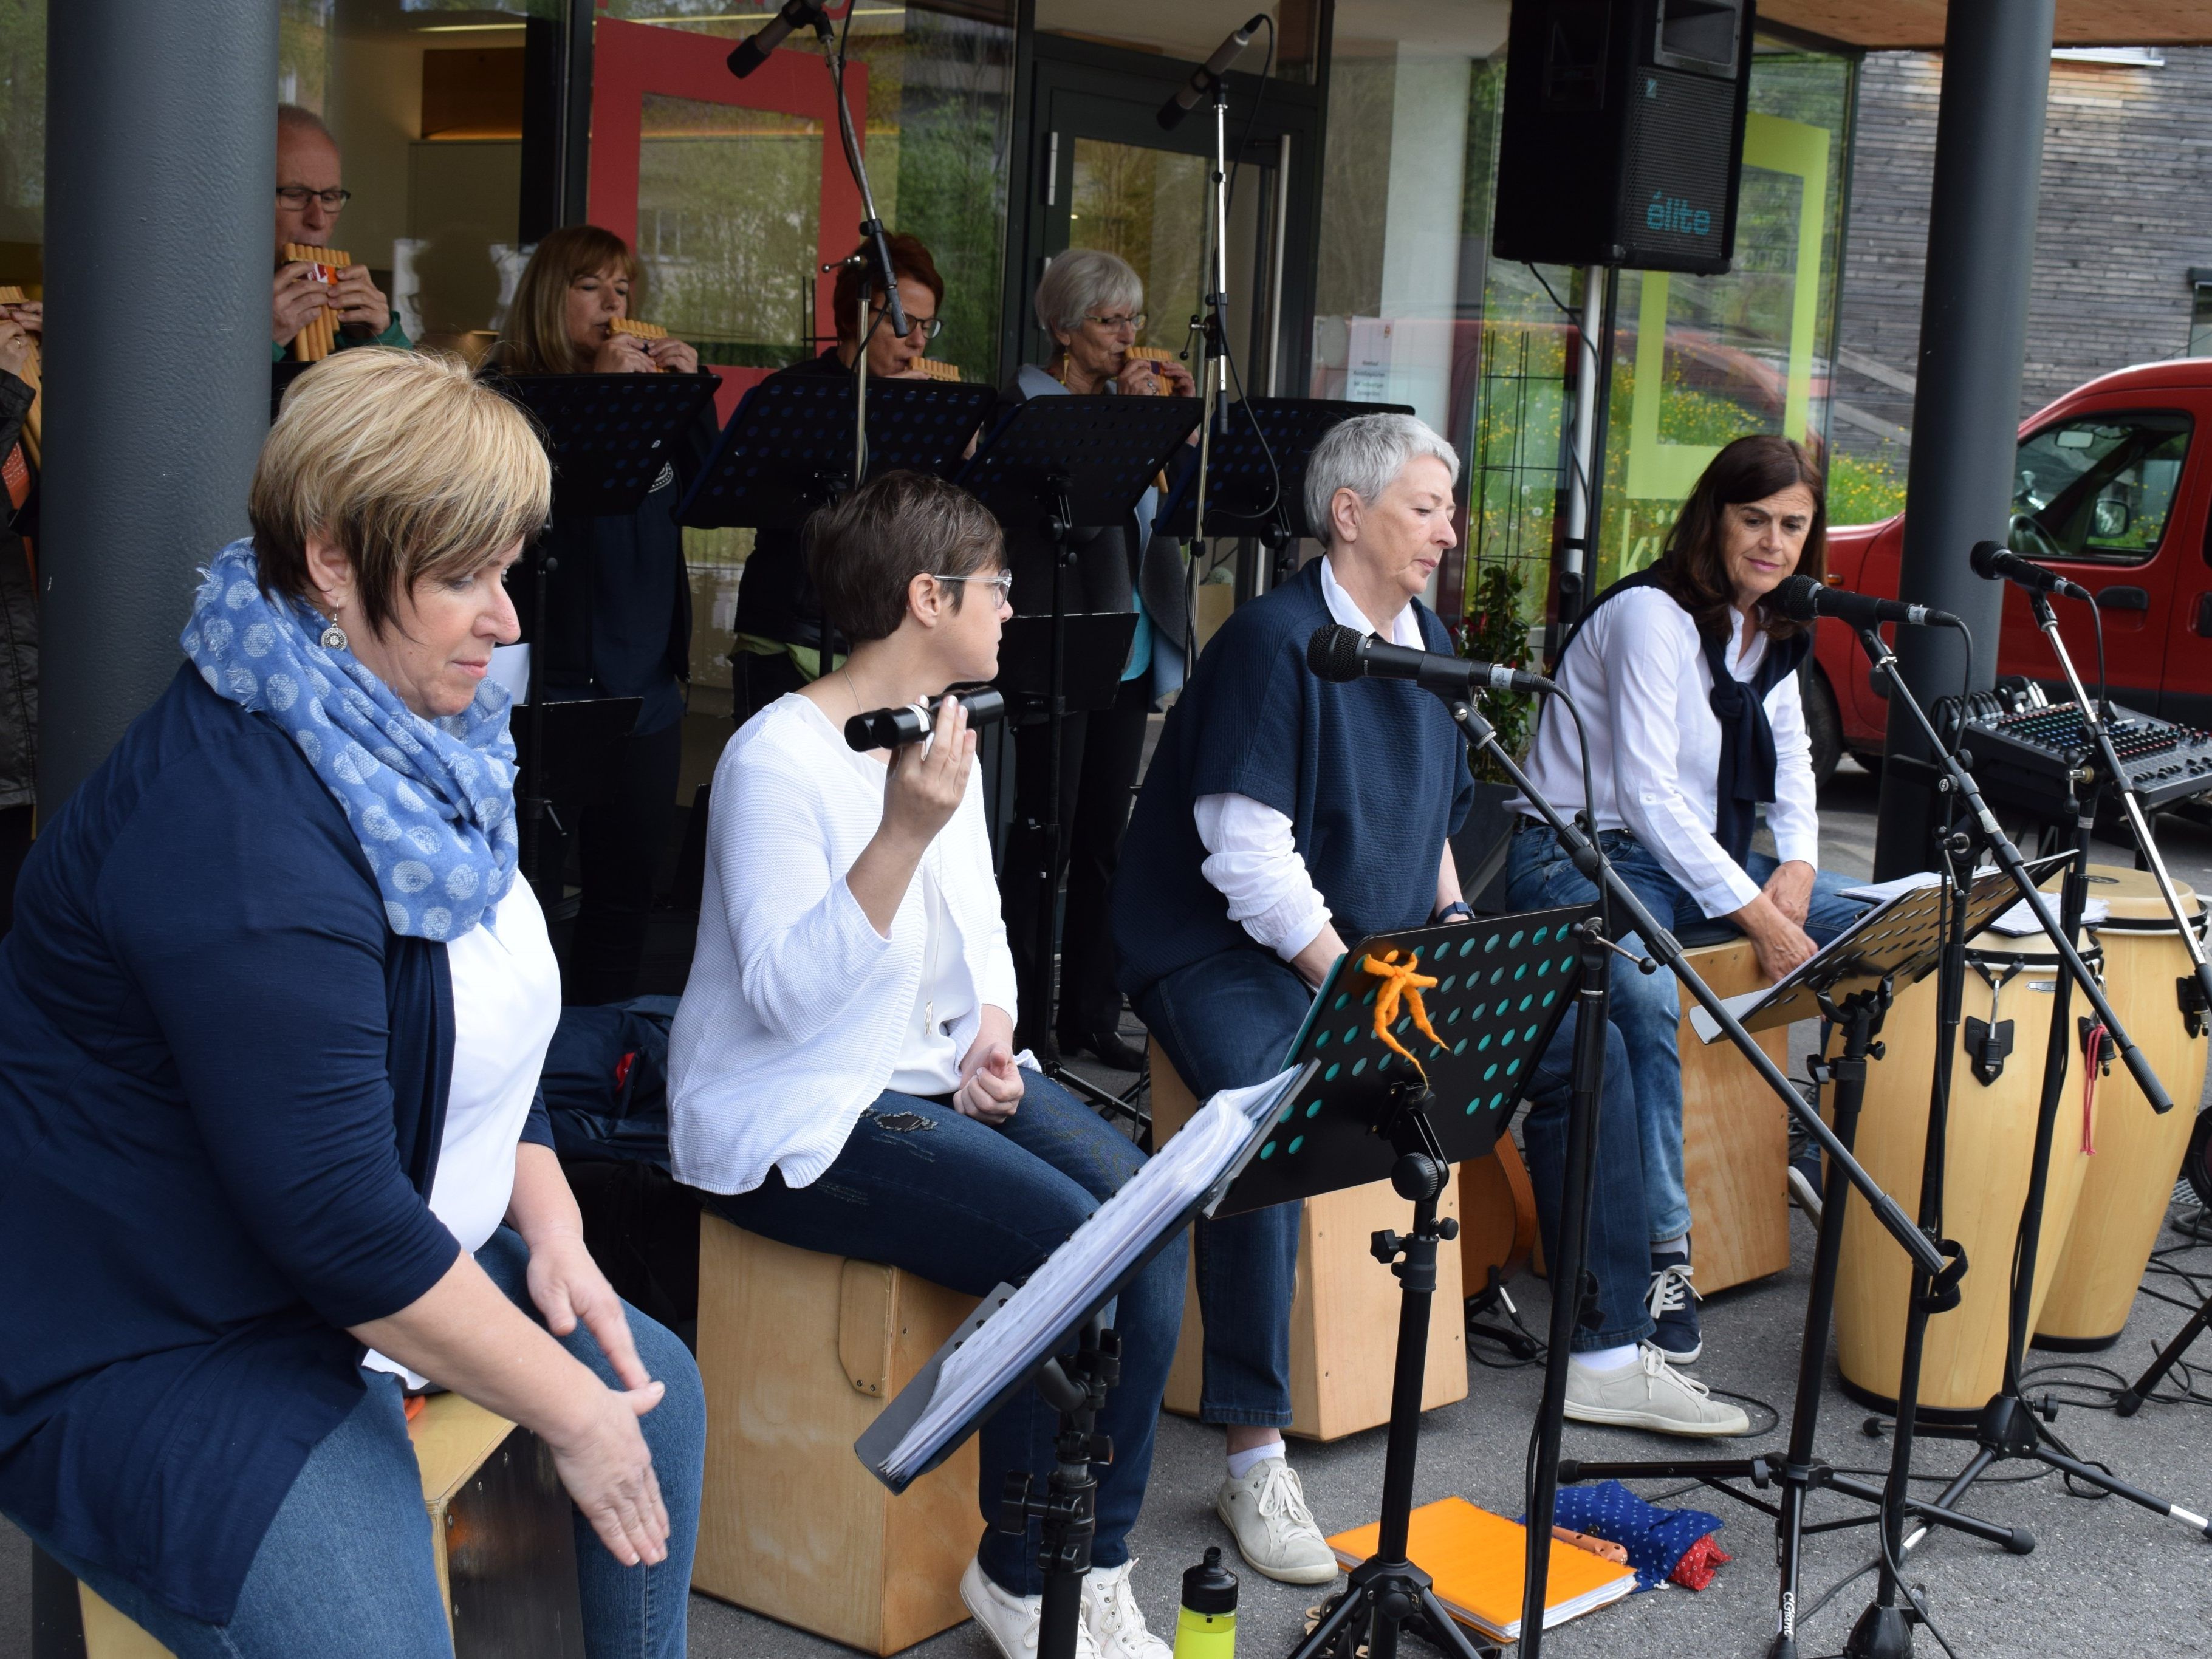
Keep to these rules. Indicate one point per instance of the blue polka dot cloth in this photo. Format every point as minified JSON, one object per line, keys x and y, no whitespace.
{"x":432,"y":801}
{"x":1656,"y":1539}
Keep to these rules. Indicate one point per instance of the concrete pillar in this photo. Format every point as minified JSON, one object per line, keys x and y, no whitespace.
{"x":160,"y":177}
{"x":1973,"y":329}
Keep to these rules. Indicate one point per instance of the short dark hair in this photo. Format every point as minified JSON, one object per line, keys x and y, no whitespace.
{"x":1693,"y":571}
{"x":910,"y":259}
{"x":865,"y":552}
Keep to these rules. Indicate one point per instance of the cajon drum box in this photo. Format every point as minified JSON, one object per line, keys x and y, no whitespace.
{"x":500,"y":1529}
{"x":1735,"y":1137}
{"x":799,"y":1352}
{"x":1344,"y":1318}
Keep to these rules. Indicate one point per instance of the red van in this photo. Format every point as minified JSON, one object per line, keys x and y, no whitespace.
{"x":2109,"y":489}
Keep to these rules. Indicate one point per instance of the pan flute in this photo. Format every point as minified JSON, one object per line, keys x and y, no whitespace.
{"x":320,"y":336}
{"x":930,"y":368}
{"x":32,"y":422}
{"x":630,"y":326}
{"x":1154,"y":355}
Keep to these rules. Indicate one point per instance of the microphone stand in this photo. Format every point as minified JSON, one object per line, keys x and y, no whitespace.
{"x":1213,"y":329}
{"x":1616,"y":898}
{"x":1883,"y":1630}
{"x":871,"y":234}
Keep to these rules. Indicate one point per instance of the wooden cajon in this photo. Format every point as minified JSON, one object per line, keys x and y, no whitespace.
{"x":501,"y":1533}
{"x":1735,"y":1137}
{"x":799,"y":1353}
{"x":1344,"y":1317}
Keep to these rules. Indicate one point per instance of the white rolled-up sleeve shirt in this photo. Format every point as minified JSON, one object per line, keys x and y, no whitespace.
{"x":1639,"y":673}
{"x":1252,"y":856}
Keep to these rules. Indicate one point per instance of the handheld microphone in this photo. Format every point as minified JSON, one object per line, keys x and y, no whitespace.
{"x":1207,"y":75}
{"x":1344,"y":653}
{"x":2000,"y":563}
{"x":891,"y":728}
{"x":752,"y":52}
{"x":1801,"y":599}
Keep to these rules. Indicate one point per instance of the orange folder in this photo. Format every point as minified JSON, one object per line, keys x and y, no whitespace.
{"x":1477,"y":1560}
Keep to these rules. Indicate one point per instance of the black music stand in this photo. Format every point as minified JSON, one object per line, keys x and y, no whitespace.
{"x":1259,"y":457}
{"x":1057,"y":463}
{"x":788,"y":449}
{"x":1367,"y":1114}
{"x":1074,"y":1385}
{"x":1852,"y":983}
{"x":608,"y":436}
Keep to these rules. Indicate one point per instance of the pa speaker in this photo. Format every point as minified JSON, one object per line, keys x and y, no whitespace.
{"x":1623,"y":133}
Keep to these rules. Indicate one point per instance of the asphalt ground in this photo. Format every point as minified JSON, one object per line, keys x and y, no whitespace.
{"x":2106,"y":1577}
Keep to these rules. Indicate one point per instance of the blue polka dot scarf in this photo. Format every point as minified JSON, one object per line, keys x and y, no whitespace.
{"x":432,"y":801}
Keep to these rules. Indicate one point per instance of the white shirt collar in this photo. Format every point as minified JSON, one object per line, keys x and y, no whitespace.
{"x":1405,"y":628}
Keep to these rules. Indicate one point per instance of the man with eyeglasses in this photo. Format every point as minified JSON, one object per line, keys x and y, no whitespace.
{"x":782,"y":642}
{"x":309,"y":197}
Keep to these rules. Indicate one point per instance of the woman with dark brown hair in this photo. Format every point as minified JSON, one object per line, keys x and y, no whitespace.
{"x":1687,"y":678}
{"x":617,"y":620}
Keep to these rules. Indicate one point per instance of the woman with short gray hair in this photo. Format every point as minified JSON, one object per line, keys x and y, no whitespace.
{"x":1089,"y":304}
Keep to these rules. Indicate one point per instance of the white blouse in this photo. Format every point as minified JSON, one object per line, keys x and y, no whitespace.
{"x":1637,"y":671}
{"x":507,"y":1000}
{"x":798,"y":1012}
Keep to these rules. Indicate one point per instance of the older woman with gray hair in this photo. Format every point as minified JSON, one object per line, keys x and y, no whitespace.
{"x":1089,"y":305}
{"x":1283,"y":817}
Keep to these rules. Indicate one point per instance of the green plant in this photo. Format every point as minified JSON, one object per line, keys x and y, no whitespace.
{"x":1861,"y":489}
{"x":1492,"y":630}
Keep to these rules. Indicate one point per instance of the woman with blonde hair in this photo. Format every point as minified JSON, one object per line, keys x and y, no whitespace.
{"x":617,"y":620}
{"x":271,"y":1022}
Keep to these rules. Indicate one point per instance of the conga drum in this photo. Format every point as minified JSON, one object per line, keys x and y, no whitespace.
{"x":1989,"y":1146}
{"x":2130,"y":1175}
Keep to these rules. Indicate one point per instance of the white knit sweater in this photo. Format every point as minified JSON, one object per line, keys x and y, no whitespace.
{"x":792,"y":1018}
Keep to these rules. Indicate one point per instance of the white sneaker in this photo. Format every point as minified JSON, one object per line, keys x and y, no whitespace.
{"x":1011,"y":1621}
{"x":1649,"y":1394}
{"x":1266,"y":1511}
{"x":1113,"y":1618}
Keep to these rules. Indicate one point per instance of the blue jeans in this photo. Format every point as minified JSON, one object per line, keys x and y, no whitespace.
{"x":1647,"y":1007}
{"x":1229,"y":1021}
{"x":345,"y":1570}
{"x":920,"y":1187}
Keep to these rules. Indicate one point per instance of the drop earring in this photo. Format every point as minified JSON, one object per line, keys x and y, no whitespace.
{"x":333,"y":637}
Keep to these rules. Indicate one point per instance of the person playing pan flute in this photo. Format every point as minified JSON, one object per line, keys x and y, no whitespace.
{"x":309,"y":197}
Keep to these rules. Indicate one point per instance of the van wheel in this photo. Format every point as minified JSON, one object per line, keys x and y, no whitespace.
{"x":1823,"y":725}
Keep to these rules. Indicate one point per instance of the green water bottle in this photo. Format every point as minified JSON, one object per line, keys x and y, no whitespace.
{"x":1205,"y":1627}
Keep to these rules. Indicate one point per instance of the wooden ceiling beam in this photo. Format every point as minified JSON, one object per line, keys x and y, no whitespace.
{"x":1897,"y":25}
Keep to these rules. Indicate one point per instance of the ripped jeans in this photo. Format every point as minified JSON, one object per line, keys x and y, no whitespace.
{"x":920,"y":1186}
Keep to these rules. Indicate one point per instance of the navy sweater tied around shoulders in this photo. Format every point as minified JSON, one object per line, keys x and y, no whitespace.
{"x":1372,"y":774}
{"x":223,"y":1091}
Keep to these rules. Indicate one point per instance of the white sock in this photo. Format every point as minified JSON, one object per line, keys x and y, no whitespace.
{"x":1605,"y":1359}
{"x":1677,"y":1245}
{"x":1243,"y":1463}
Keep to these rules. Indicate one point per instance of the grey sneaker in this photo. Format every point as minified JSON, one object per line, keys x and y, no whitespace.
{"x":1266,"y":1511}
{"x":1650,"y":1394}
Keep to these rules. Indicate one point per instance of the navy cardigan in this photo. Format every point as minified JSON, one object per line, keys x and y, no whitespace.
{"x":1372,"y":776}
{"x":222,"y":1089}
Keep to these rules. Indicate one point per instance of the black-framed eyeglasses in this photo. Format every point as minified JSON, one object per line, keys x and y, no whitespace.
{"x":931,"y":327}
{"x":1001,"y":586}
{"x":296,"y":197}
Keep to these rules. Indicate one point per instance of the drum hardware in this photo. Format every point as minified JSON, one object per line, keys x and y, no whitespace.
{"x":2189,"y":995}
{"x":1989,"y":1041}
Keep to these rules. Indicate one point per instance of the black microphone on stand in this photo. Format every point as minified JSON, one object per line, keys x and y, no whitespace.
{"x":1207,"y":75}
{"x":1802,"y":598}
{"x":1344,"y":653}
{"x":890,"y":728}
{"x":752,"y":52}
{"x":2000,"y":563}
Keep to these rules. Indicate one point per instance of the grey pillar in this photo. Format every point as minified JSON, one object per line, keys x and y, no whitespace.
{"x":1973,"y":327}
{"x":161,"y":173}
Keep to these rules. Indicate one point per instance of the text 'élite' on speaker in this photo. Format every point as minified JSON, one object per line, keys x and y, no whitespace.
{"x":1623,"y":133}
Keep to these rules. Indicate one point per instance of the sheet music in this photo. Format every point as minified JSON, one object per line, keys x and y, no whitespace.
{"x":1023,"y":1332}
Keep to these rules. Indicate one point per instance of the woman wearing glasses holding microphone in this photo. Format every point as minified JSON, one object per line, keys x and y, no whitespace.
{"x":1091,"y":304}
